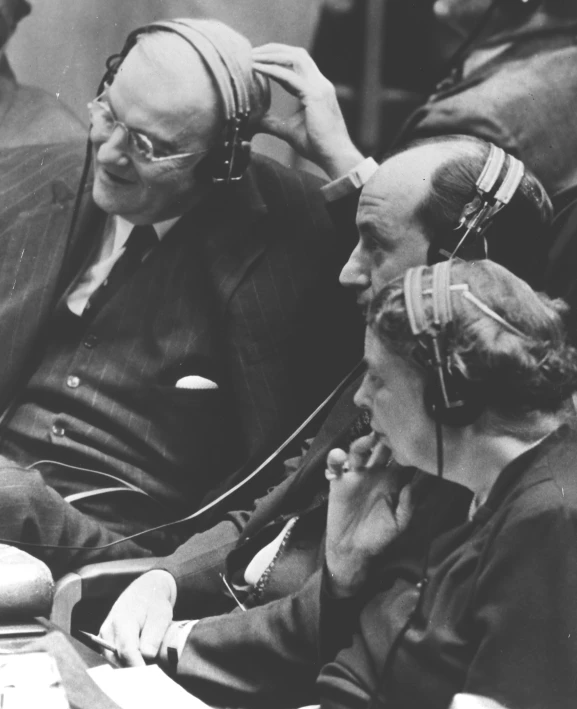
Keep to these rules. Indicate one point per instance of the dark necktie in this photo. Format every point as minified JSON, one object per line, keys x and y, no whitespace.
{"x":140,"y":241}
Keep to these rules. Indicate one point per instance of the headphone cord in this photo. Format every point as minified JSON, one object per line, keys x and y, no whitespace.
{"x":421,"y":585}
{"x":334,"y":394}
{"x":440,"y":447}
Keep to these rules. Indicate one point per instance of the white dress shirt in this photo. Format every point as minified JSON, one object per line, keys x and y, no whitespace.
{"x":116,"y":233}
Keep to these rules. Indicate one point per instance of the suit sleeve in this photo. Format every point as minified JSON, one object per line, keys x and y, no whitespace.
{"x":453,"y":117}
{"x":197,"y":564}
{"x":267,"y":655}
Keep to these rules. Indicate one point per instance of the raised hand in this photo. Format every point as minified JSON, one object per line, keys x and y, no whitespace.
{"x":368,"y":508}
{"x":317,"y":131}
{"x":139,"y":619}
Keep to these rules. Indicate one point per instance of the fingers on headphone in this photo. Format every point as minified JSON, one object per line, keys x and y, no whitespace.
{"x":295,"y":59}
{"x":277,"y":126}
{"x":286,"y":77}
{"x":282,"y":54}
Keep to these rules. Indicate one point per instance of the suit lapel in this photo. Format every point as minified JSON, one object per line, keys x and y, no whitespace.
{"x":231,"y":242}
{"x":83,"y":245}
{"x":32,"y":247}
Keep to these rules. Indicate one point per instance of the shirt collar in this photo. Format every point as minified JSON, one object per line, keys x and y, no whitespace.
{"x":121,"y":229}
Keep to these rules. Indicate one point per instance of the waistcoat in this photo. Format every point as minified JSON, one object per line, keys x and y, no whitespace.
{"x":104,"y":394}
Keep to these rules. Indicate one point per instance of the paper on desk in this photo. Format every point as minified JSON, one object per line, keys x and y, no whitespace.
{"x":143,"y":688}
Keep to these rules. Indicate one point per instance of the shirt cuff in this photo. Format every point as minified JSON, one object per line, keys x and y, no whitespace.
{"x":352,"y":181}
{"x":174,"y":641}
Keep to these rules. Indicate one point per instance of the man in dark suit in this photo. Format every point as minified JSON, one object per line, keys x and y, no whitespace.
{"x":272,"y":557}
{"x":515,"y":87}
{"x":176,"y":331}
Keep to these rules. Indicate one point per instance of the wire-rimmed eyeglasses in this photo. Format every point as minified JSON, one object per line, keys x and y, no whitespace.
{"x":140,"y":146}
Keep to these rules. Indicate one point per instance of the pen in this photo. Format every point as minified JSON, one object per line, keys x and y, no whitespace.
{"x":232,"y":593}
{"x":99,"y":641}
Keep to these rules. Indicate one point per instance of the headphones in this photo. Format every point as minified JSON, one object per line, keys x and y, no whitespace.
{"x":495,"y":188}
{"x":228,"y":161}
{"x":450,"y":398}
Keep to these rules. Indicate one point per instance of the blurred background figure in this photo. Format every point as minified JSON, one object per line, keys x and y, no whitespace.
{"x":29,"y":115}
{"x":383,"y":56}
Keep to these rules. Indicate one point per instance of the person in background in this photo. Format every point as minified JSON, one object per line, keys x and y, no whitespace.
{"x":516,"y":87}
{"x":29,"y":115}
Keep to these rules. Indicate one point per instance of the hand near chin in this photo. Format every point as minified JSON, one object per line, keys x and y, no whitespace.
{"x":317,"y":131}
{"x":368,"y":508}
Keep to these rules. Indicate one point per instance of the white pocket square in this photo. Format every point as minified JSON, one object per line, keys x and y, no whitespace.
{"x":193,"y":381}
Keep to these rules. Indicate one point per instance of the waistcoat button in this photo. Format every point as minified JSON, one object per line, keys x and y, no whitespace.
{"x":58,"y":430}
{"x":90,"y":341}
{"x":73,"y":382}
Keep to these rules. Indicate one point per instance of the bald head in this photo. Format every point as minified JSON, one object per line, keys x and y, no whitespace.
{"x":185,"y":48}
{"x":401,"y":184}
{"x":178,"y":80}
{"x":392,"y":237}
{"x":412,"y":205}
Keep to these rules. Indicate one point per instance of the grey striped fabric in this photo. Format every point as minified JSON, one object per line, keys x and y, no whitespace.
{"x":243,"y":291}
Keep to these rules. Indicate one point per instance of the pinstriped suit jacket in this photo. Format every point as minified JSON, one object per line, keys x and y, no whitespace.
{"x":273,"y":259}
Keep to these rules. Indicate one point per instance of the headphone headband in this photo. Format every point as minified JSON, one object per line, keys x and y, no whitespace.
{"x":491,"y":196}
{"x":225,"y":70}
{"x":413,"y":288}
{"x":210,"y":39}
{"x":440,"y":294}
{"x":449,"y":396}
{"x":491,"y":170}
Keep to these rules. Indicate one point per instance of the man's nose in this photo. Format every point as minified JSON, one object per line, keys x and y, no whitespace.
{"x":112,"y":149}
{"x":355,"y":272}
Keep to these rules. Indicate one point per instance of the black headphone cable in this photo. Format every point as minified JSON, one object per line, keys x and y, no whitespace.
{"x":334,"y":394}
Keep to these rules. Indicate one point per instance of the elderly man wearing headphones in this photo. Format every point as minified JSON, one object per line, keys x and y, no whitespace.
{"x":167,"y":325}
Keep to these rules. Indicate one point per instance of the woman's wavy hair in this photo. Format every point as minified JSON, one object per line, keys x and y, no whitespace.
{"x":515,"y":375}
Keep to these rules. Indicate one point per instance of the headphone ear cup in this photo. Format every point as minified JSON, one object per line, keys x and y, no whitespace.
{"x":458,"y":389}
{"x":225,"y":163}
{"x":231,"y":157}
